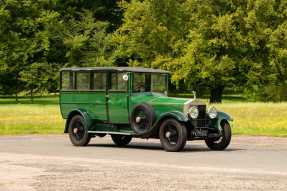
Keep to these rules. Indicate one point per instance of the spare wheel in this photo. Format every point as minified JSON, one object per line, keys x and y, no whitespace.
{"x":142,"y":119}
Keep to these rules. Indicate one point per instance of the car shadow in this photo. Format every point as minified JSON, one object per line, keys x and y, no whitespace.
{"x":157,"y":146}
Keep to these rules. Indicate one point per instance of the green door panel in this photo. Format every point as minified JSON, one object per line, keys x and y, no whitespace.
{"x":118,"y":107}
{"x":93,"y":102}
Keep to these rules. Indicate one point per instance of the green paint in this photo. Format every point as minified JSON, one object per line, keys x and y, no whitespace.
{"x":92,"y":102}
{"x":109,"y":110}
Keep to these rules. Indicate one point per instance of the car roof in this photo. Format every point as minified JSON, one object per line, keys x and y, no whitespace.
{"x":119,"y":69}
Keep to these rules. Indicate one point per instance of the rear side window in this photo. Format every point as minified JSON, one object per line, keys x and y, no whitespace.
{"x":99,"y":81}
{"x":67,"y":80}
{"x":83,"y":81}
{"x":117,"y":82}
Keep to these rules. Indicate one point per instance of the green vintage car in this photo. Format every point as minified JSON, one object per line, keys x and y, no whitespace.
{"x":127,"y":102}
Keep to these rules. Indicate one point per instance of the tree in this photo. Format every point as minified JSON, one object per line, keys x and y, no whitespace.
{"x":214,"y":42}
{"x":49,"y":35}
{"x":267,"y":43}
{"x":189,"y":38}
{"x":151,"y":29}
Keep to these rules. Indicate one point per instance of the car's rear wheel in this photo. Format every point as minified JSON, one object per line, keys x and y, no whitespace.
{"x":121,"y":140}
{"x":223,"y":141}
{"x":173,"y":135}
{"x":78,"y":132}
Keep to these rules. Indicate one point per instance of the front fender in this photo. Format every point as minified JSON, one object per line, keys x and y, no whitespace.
{"x":173,"y":114}
{"x":222,"y":116}
{"x":83,"y":113}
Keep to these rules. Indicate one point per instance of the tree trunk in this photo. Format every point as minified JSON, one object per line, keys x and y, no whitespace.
{"x":31,"y":95}
{"x":16,"y":96}
{"x":216,"y":94}
{"x":16,"y":87}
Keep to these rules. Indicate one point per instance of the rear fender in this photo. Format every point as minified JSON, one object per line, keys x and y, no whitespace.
{"x":83,"y":113}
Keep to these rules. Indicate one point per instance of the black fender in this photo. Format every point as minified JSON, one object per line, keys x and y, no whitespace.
{"x":221,"y":116}
{"x":179,"y":116}
{"x":83,"y":113}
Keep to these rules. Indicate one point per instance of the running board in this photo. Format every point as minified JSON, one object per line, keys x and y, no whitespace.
{"x":112,"y":132}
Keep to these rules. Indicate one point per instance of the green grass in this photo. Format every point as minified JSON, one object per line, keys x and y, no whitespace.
{"x":268,"y":119}
{"x":43,"y":100}
{"x":30,"y":119}
{"x":43,"y":117}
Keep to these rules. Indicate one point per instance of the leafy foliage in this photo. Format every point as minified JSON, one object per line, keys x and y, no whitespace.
{"x":210,"y":46}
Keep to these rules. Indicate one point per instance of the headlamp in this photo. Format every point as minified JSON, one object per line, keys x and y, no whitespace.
{"x":212,"y":112}
{"x":193,"y":112}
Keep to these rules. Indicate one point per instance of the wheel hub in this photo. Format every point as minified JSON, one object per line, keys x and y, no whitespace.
{"x":138,"y":119}
{"x":167,"y":134}
{"x":75,"y":130}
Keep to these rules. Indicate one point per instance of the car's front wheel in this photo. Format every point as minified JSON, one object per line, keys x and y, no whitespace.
{"x":78,"y":132}
{"x":173,"y":135}
{"x":121,"y":140}
{"x":223,"y":141}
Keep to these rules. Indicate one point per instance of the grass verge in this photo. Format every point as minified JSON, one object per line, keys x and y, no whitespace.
{"x":30,"y":119}
{"x":43,"y":117}
{"x":266,"y":119}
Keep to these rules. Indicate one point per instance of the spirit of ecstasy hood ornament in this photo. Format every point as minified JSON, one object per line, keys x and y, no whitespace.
{"x":194,"y":95}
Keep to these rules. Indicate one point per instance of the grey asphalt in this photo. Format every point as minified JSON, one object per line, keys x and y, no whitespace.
{"x":52,"y":163}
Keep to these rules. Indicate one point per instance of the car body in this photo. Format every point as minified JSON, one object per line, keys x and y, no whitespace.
{"x":127,"y":102}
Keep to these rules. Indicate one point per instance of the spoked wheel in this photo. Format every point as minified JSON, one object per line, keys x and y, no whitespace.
{"x":142,"y":119}
{"x":121,"y":140}
{"x":172,"y":135}
{"x":78,"y":133}
{"x":223,"y":141}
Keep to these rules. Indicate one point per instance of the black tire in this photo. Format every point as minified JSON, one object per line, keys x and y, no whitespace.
{"x":173,"y":135}
{"x":78,"y":132}
{"x":143,"y":126}
{"x":222,"y":142}
{"x":121,"y":140}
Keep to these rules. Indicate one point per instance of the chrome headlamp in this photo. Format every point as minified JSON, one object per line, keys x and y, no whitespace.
{"x":212,"y":112}
{"x":193,"y":112}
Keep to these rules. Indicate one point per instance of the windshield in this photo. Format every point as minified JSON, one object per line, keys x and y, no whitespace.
{"x":146,"y":82}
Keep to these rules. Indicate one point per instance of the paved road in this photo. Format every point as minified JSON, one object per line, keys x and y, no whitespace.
{"x":51,"y":163}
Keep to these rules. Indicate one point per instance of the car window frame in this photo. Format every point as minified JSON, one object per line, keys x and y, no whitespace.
{"x":71,"y":84}
{"x":93,"y":84}
{"x":166,"y":82}
{"x":110,"y":82}
{"x":76,"y":81}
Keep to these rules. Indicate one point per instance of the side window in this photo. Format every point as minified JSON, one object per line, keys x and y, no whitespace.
{"x":83,"y":81}
{"x":99,"y":81}
{"x":141,"y":82}
{"x":67,"y":80}
{"x":158,"y":82}
{"x":118,"y":82}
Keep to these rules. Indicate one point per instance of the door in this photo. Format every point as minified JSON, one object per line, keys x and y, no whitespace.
{"x":118,"y":98}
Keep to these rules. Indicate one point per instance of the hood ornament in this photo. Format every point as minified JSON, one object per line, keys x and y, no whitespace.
{"x":194,"y":95}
